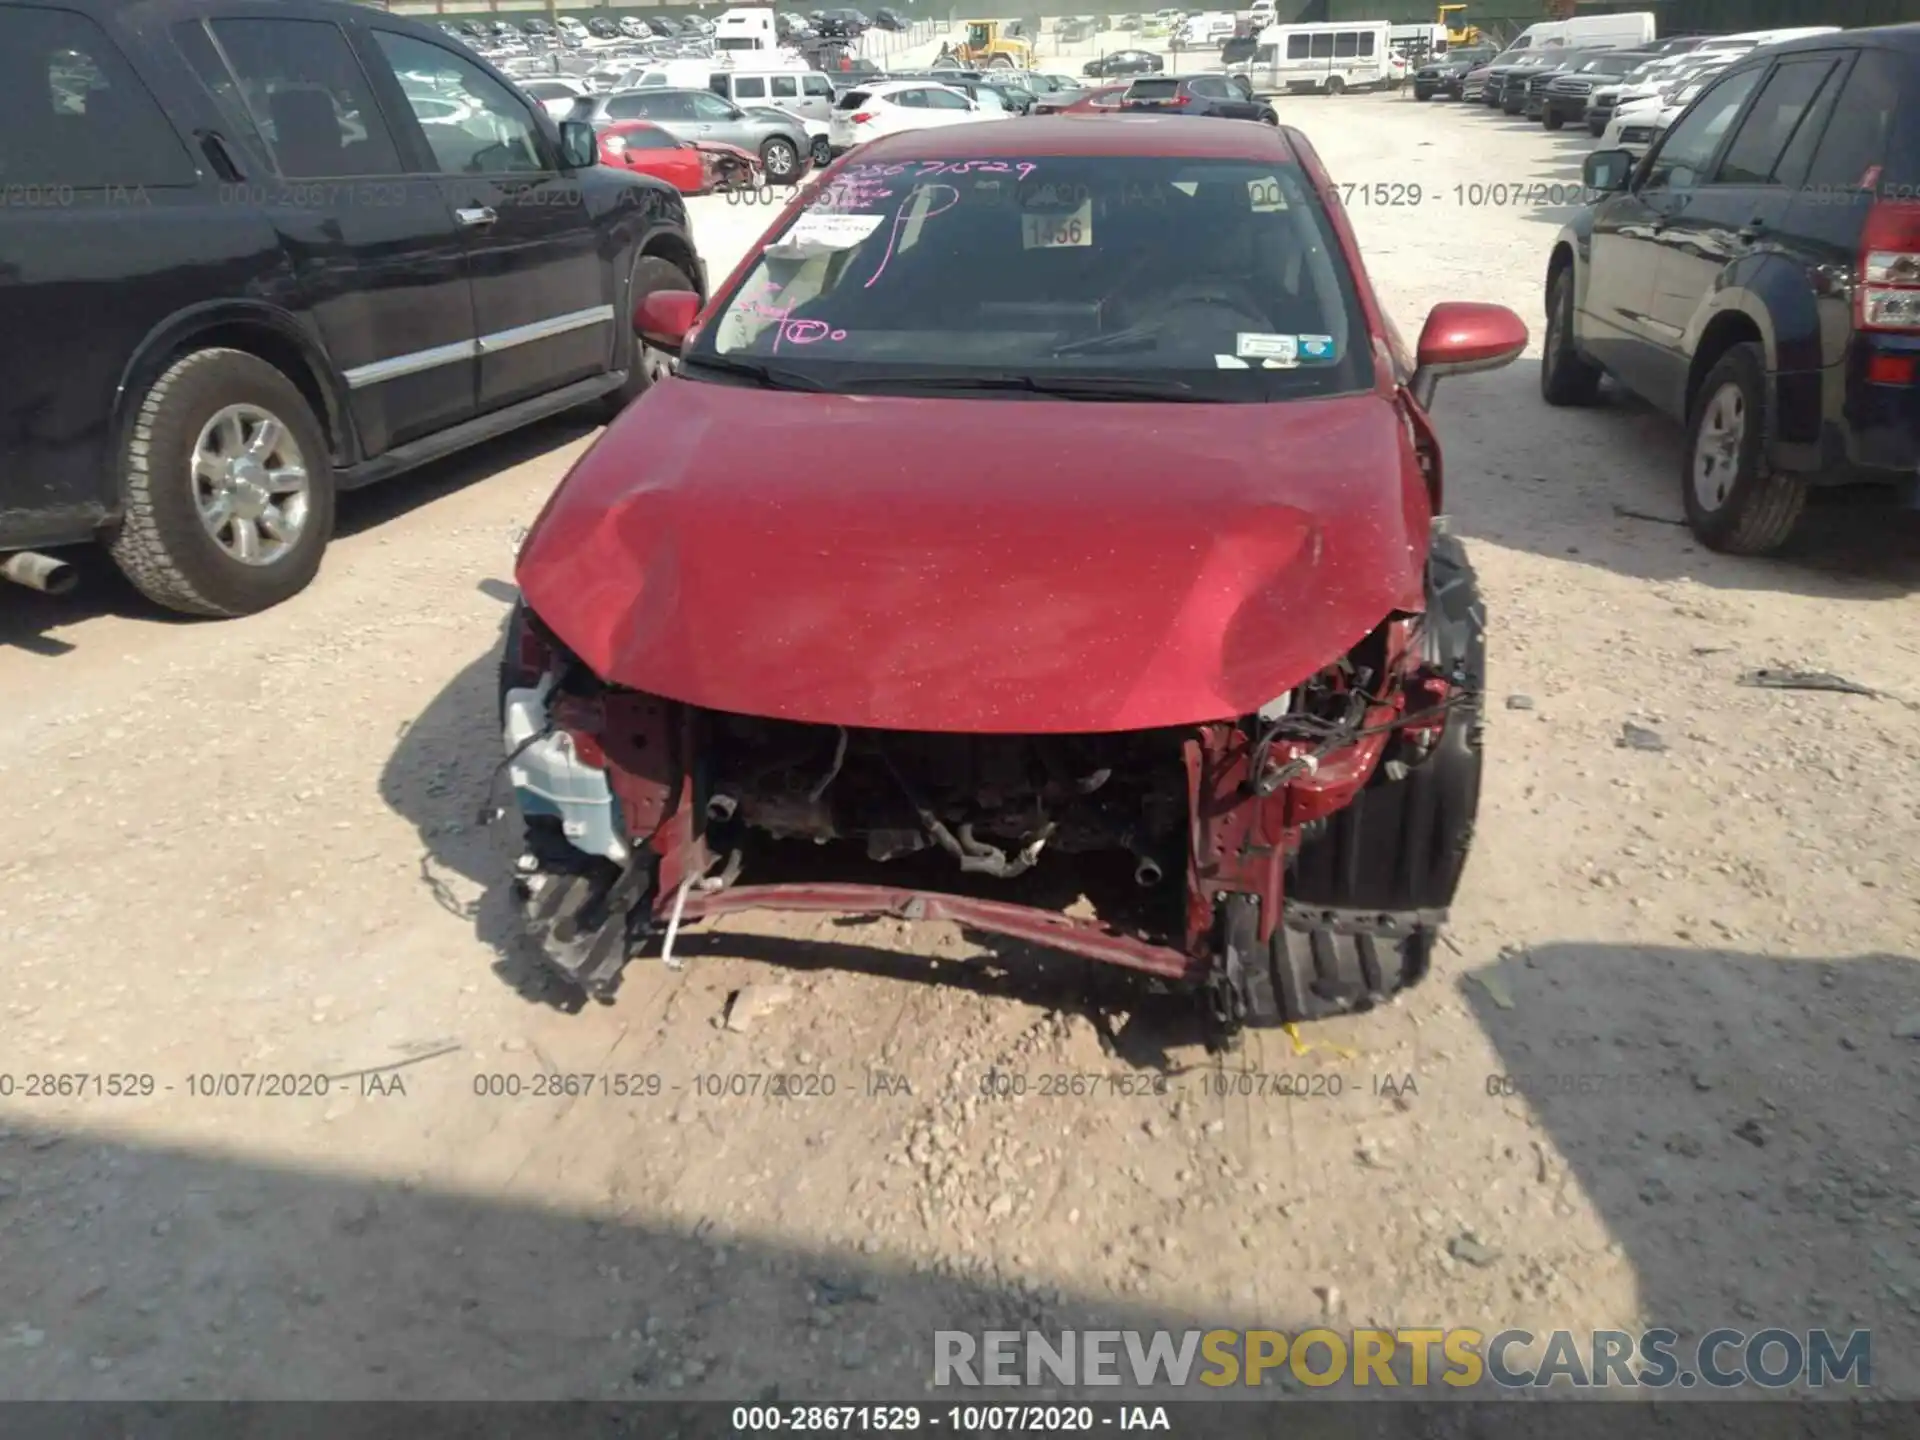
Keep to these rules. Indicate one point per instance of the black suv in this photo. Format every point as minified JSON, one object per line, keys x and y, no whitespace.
{"x":1225,"y":97}
{"x":1443,"y":77}
{"x":1563,"y":99}
{"x":254,"y":254}
{"x":1757,"y":277}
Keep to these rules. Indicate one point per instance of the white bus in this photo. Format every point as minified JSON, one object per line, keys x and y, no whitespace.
{"x":1350,"y":55}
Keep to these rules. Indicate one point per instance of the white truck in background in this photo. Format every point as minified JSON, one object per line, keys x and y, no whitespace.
{"x":1586,"y":32}
{"x":750,"y":29}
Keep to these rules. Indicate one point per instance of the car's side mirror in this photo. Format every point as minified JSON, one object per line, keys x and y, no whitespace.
{"x":1606,"y":172}
{"x":663,"y":317}
{"x":579,"y":146}
{"x":1461,"y":337}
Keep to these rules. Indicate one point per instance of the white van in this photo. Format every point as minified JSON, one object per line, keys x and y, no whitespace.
{"x":1588,"y":32}
{"x":1329,"y":57}
{"x":806,"y":93}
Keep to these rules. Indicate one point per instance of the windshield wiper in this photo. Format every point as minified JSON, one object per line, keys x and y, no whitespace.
{"x":1134,"y":337}
{"x":1070,"y":387}
{"x":771,"y":377}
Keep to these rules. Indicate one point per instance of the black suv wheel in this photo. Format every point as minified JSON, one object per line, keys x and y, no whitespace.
{"x":228,"y":488}
{"x":1566,"y":376}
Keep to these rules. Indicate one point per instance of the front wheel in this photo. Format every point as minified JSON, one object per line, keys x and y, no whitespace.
{"x":228,"y":487}
{"x":646,"y":366}
{"x":1421,"y":93}
{"x":782,"y":161}
{"x":1552,"y":119}
{"x":1566,"y":376}
{"x":1736,"y":502}
{"x":1335,"y":85}
{"x":822,"y":153}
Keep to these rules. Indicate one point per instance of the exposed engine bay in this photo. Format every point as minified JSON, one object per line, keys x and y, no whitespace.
{"x":994,"y":804}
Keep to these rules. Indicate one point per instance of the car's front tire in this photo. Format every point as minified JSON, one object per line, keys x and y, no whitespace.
{"x":1420,"y":92}
{"x":646,"y":366}
{"x":228,"y":488}
{"x":1566,"y":376}
{"x":1552,"y":119}
{"x":1736,"y":502}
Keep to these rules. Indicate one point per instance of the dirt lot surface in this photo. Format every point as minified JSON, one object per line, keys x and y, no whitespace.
{"x":253,"y":847}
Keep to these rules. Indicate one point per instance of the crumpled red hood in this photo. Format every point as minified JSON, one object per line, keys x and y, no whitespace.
{"x":966,"y":565}
{"x":721,"y":147}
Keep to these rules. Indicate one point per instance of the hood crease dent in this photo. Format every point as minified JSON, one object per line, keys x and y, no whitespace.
{"x":939,"y":564}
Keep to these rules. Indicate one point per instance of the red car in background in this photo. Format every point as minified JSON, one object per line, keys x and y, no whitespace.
{"x":648,"y":150}
{"x":1215,"y":668}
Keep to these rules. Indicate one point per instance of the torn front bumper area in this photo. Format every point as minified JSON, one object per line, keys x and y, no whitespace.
{"x":1166,"y":853}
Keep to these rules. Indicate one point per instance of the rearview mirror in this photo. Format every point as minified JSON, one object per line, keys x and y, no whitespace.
{"x":578,"y":145}
{"x":1606,"y":172}
{"x":663,"y":317}
{"x":1461,"y":337}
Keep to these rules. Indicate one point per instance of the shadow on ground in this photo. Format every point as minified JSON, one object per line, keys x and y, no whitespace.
{"x":1602,"y":486}
{"x":1741,"y":1122}
{"x":143,"y":1272}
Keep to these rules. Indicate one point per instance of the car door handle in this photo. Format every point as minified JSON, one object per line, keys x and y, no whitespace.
{"x":473,"y":215}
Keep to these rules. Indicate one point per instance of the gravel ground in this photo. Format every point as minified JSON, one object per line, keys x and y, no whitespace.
{"x":252,"y":847}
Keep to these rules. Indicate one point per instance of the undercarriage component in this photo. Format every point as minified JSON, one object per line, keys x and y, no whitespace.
{"x":1319,"y":963}
{"x":39,"y":572}
{"x":586,"y":922}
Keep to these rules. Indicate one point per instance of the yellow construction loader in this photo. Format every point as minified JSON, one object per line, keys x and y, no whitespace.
{"x":1461,"y":35}
{"x":986,"y":45}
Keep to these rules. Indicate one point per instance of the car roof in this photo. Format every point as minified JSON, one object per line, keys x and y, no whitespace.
{"x":1879,"y":37}
{"x":886,"y":87}
{"x":1120,"y":136}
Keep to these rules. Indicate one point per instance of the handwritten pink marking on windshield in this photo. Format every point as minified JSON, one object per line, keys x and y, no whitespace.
{"x":900,"y":218}
{"x":852,"y":195}
{"x":809,"y":332}
{"x":975,"y":167}
{"x":786,"y":328}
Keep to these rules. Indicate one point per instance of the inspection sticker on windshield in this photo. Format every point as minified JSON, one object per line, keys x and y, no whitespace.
{"x":834,"y":232}
{"x":1316,"y":347}
{"x":1047,"y":232}
{"x":1279,"y":349}
{"x":1264,"y":195}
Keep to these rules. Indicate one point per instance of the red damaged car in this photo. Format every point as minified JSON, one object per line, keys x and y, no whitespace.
{"x":693,"y":167}
{"x":1136,"y":604}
